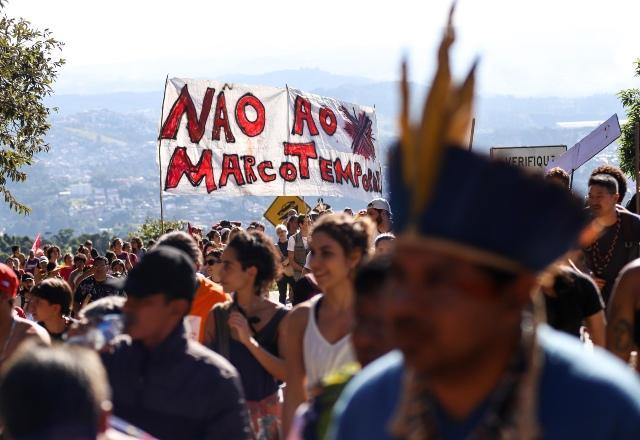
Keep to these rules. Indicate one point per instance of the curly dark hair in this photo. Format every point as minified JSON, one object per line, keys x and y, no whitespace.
{"x":617,"y":174}
{"x":254,"y":248}
{"x":352,"y":234}
{"x":50,"y":251}
{"x":558,"y":174}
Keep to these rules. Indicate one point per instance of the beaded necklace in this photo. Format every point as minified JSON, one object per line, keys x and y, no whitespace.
{"x":512,"y":413}
{"x":599,"y":260}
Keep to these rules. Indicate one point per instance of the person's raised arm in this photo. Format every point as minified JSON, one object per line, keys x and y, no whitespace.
{"x":273,"y":364}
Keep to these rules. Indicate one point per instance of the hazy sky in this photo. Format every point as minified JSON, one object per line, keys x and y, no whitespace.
{"x":533,"y":47}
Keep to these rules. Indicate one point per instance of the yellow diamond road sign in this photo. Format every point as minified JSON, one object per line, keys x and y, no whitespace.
{"x":277,"y":212}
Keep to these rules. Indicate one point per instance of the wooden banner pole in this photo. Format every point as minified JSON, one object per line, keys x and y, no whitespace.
{"x":166,"y":81}
{"x":636,"y":149}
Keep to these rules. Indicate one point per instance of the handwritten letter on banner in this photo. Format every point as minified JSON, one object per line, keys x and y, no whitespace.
{"x":235,"y":140}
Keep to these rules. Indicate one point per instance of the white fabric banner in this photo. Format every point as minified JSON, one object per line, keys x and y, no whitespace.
{"x":234,"y":140}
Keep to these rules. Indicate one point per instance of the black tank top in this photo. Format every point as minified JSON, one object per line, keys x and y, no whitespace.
{"x":257,"y":382}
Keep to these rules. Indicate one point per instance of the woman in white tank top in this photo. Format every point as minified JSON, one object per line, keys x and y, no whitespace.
{"x":318,"y":332}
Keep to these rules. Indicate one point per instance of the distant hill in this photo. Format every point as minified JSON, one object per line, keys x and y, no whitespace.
{"x":101,"y":172}
{"x":305,"y":79}
{"x":121,"y":102}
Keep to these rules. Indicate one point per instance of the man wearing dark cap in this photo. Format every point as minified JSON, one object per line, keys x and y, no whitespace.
{"x":168,"y":385}
{"x":472,"y":362}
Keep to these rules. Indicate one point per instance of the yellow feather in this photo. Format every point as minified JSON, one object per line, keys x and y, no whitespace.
{"x":460,"y":112}
{"x":433,"y":117}
{"x":445,"y":120}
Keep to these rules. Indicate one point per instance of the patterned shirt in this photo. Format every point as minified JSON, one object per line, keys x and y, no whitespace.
{"x":96,"y":289}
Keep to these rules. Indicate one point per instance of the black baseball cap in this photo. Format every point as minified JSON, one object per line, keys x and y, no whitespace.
{"x":164,"y":270}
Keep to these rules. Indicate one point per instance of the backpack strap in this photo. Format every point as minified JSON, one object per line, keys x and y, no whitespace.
{"x":281,"y":312}
{"x":221,"y":315}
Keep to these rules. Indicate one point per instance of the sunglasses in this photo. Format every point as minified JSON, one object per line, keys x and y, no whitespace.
{"x":212,"y":262}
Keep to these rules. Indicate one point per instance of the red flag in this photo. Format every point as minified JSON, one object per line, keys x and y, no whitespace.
{"x":36,"y":244}
{"x":189,"y":228}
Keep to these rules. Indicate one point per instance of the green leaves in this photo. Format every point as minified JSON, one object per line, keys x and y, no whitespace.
{"x":29,"y":65}
{"x":630,"y":99}
{"x":64,"y":239}
{"x":151,"y":228}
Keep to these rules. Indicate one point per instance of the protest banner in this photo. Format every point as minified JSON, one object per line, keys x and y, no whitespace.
{"x":528,"y":157}
{"x":235,"y":140}
{"x":277,"y":212}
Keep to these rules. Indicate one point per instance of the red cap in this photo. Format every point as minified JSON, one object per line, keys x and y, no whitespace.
{"x":8,"y":281}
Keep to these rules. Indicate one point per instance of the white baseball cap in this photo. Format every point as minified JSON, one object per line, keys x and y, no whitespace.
{"x":379,"y":204}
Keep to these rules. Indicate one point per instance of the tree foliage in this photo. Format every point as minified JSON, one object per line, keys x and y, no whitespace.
{"x":151,"y":228}
{"x":64,"y":239}
{"x":29,"y":64}
{"x":68,"y":242}
{"x":630,"y":99}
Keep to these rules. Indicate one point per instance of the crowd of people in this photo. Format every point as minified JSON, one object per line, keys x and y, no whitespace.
{"x":194,"y":342}
{"x":496,"y":306}
{"x":188,"y":295}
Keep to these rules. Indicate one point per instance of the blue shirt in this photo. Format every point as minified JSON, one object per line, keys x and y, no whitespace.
{"x":582,"y":395}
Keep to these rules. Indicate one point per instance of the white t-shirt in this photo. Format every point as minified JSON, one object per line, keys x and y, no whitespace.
{"x":292,"y":243}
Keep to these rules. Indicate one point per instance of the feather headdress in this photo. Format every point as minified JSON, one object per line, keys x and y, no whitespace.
{"x":446,"y":119}
{"x":463,"y":202}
